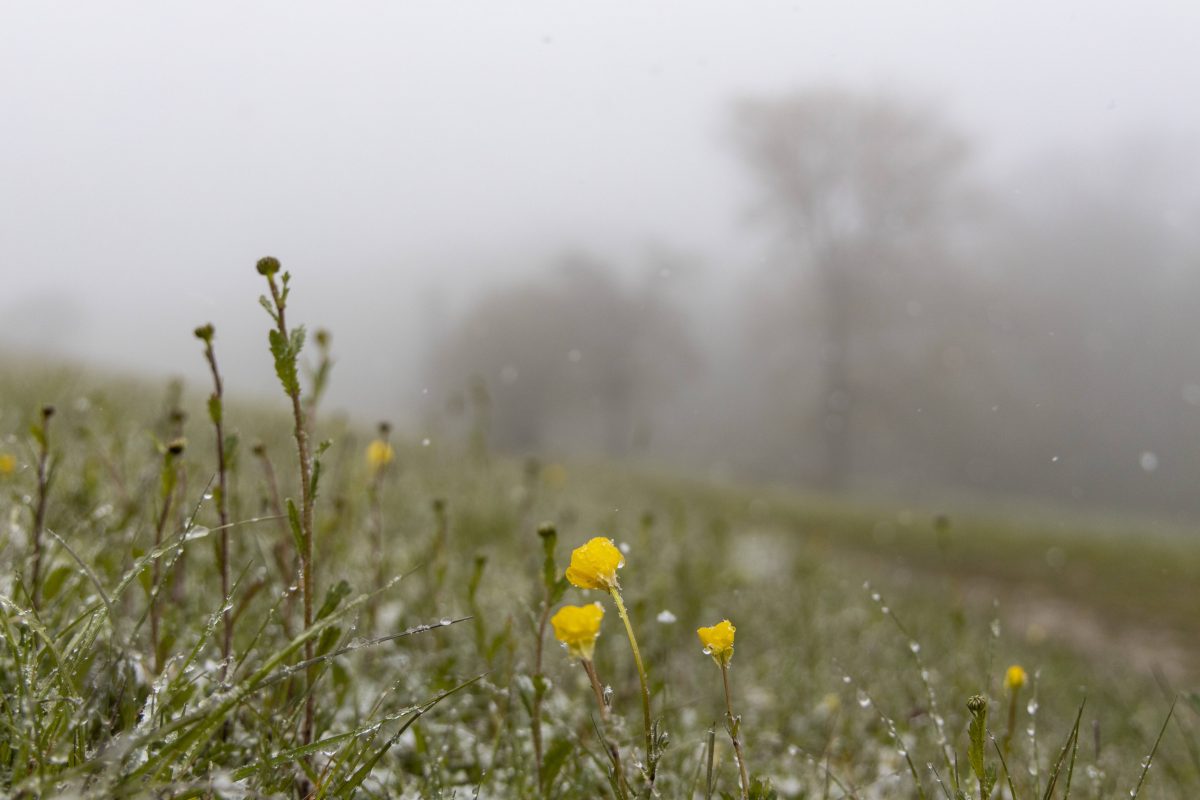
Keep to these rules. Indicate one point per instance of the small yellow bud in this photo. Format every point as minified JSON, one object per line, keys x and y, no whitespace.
{"x":379,"y":454}
{"x":718,"y":641}
{"x":1015,"y":678}
{"x":8,"y":463}
{"x":578,"y":627}
{"x":594,"y":565}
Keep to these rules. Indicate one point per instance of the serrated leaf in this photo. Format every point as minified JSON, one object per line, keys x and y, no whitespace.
{"x":285,"y":362}
{"x":296,"y":341}
{"x":316,"y":478}
{"x":265,"y":303}
{"x":989,"y":781}
{"x":762,"y":790}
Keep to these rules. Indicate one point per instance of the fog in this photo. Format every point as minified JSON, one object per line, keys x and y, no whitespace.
{"x":925,"y":251}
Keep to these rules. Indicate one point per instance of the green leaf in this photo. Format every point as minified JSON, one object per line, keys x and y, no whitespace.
{"x":560,"y":588}
{"x":555,"y":760}
{"x":989,"y":781}
{"x":294,"y":524}
{"x":296,"y":341}
{"x":231,"y":446}
{"x":214,"y":408}
{"x":1069,"y":746}
{"x":285,"y":362}
{"x":55,"y":580}
{"x":265,"y":303}
{"x":329,"y":638}
{"x":762,"y":790}
{"x":333,"y":597}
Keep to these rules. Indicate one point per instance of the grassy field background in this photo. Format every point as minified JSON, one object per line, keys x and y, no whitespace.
{"x":862,"y":628}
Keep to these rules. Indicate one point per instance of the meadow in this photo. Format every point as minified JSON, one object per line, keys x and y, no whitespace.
{"x":209,"y":598}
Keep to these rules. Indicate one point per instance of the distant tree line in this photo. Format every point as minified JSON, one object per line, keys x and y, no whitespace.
{"x":914,"y":328}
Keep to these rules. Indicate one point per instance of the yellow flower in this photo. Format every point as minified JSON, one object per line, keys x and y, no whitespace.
{"x":718,"y":641}
{"x":595,"y":564}
{"x":577,"y":627}
{"x":8,"y":463}
{"x":379,"y":454}
{"x":1015,"y":678}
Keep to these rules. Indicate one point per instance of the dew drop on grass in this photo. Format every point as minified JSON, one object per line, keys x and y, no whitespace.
{"x":863,"y":699}
{"x":847,"y":679}
{"x":665,"y":617}
{"x":445,"y":621}
{"x":1031,"y":707}
{"x":915,"y":647}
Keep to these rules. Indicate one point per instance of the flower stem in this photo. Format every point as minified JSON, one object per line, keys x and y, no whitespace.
{"x":734,"y":733}
{"x":637,"y":659}
{"x":614,"y":753}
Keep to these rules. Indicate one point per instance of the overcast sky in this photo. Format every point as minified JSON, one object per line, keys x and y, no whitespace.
{"x":395,"y":152}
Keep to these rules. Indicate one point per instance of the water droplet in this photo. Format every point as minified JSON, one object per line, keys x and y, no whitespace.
{"x":863,"y":699}
{"x":914,"y":646}
{"x":666,"y":617}
{"x":426,"y":442}
{"x":445,"y":621}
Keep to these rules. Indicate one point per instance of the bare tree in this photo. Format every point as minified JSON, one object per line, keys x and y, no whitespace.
{"x":570,"y":357}
{"x":859,"y":188}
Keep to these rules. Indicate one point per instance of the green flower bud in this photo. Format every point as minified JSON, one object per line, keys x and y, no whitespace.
{"x":268,"y":266}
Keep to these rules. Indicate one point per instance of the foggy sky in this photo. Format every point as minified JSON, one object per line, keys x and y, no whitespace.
{"x":396,"y":156}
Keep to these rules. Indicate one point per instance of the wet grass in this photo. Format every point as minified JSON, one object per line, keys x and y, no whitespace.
{"x":862,"y":630}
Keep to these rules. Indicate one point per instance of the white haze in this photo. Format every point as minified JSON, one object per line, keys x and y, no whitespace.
{"x":399,"y":156}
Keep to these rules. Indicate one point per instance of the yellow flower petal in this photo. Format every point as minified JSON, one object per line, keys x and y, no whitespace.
{"x":577,"y":627}
{"x":594,"y":565}
{"x":718,"y":641}
{"x":1015,"y":678}
{"x":379,"y":454}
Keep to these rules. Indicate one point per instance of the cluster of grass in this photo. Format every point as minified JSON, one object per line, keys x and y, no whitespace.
{"x":208,"y":600}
